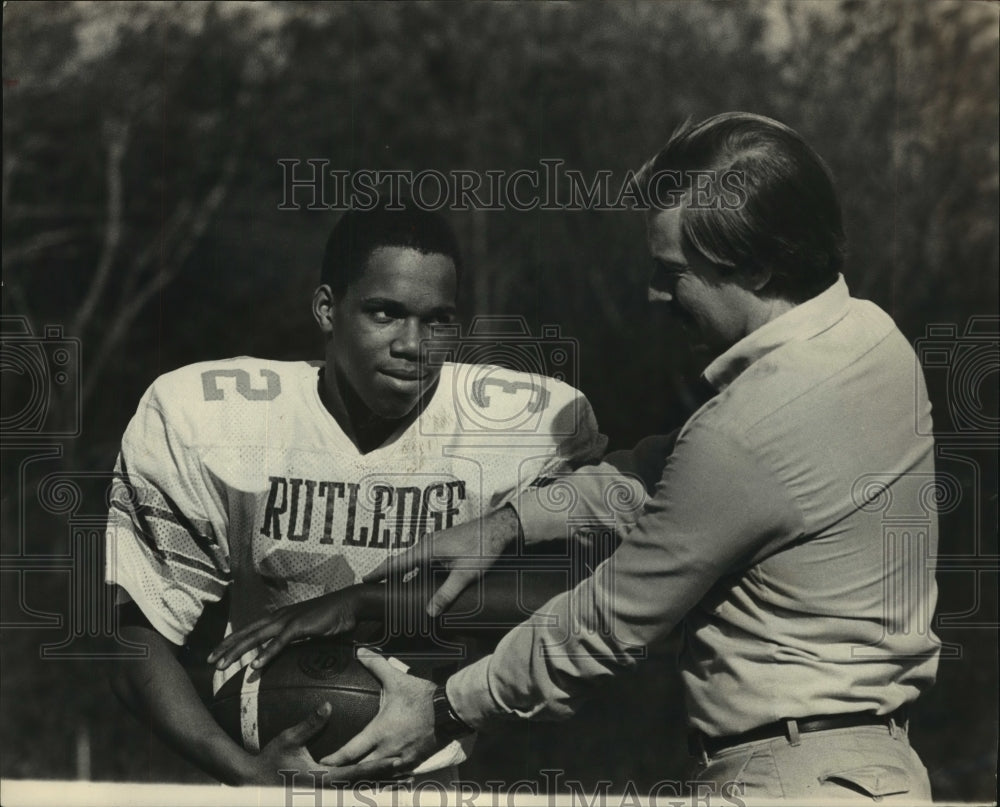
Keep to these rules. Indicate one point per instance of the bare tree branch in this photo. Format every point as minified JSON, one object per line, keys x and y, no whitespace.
{"x":132,"y":306}
{"x":116,"y":137}
{"x":39,"y":243}
{"x":156,"y":246}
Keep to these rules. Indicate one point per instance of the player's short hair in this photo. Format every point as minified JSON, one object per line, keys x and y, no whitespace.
{"x":772,"y":203}
{"x":358,"y":233}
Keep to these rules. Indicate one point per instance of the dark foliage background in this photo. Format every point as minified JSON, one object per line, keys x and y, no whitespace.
{"x":140,"y":213}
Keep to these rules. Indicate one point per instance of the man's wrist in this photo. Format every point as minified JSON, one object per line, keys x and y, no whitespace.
{"x":448,"y":725}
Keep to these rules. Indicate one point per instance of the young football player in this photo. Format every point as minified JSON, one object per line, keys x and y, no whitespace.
{"x":286,"y":482}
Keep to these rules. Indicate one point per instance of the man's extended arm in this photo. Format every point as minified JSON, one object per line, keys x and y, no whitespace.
{"x":714,"y":510}
{"x":610,"y":495}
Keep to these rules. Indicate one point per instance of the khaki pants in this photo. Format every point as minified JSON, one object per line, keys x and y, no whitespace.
{"x":863,"y":763}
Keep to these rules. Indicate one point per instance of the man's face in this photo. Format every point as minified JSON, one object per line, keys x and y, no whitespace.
{"x":379,"y":321}
{"x":712,"y":308}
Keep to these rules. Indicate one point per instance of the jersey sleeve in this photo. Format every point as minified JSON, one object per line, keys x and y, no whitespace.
{"x":576,"y":437}
{"x":166,"y":542}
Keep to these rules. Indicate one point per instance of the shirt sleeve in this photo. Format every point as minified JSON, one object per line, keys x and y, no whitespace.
{"x":565,"y":437}
{"x":714,"y":511}
{"x":610,"y":494}
{"x":164,"y":547}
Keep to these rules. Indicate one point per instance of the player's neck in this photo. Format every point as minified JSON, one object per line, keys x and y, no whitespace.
{"x":360,"y":424}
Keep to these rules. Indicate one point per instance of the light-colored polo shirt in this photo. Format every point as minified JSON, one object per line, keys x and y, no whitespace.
{"x":792,"y":531}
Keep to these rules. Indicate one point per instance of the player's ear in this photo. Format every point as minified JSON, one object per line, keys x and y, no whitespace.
{"x":322,"y":308}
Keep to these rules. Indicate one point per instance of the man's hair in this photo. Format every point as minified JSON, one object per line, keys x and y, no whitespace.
{"x":358,"y":233}
{"x":772,"y":201}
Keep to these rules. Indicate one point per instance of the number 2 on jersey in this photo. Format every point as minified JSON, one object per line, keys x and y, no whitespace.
{"x":213,"y":392}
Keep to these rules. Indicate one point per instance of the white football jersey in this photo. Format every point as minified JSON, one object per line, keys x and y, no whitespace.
{"x":233,"y":473}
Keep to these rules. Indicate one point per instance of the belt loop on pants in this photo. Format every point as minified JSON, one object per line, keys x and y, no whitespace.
{"x":696,"y":747}
{"x":792,"y":728}
{"x":899,"y":723}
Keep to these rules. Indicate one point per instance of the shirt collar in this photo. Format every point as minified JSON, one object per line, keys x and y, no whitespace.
{"x":802,"y":322}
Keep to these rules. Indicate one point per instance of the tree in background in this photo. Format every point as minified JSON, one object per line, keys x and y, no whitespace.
{"x":141,"y":187}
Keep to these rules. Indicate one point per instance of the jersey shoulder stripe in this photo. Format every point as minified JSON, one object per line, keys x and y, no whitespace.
{"x":162,"y":526}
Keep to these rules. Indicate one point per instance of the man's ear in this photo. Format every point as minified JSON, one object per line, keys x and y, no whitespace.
{"x":757,"y":279}
{"x":323,"y":308}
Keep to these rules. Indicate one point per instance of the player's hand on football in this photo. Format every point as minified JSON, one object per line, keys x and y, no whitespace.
{"x":469,"y":550}
{"x":402,"y":733}
{"x":327,"y":615}
{"x":288,"y":752}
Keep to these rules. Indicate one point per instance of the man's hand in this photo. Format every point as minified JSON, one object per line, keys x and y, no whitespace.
{"x":469,"y":550}
{"x":287,"y":752}
{"x":328,"y":615}
{"x":402,"y":734}
{"x":158,"y":691}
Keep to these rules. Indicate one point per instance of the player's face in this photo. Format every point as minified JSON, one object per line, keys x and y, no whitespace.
{"x":379,"y":322}
{"x":711,"y":307}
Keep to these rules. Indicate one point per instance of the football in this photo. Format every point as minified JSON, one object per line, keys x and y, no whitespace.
{"x":254,"y":706}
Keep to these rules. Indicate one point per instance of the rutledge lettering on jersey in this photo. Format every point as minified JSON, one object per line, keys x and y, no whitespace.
{"x":380,"y":516}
